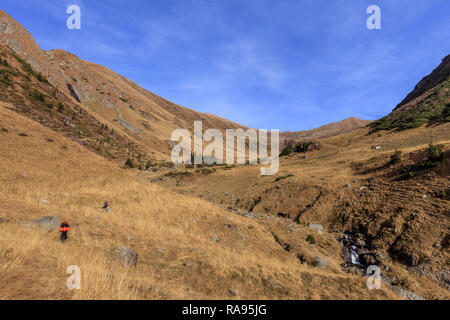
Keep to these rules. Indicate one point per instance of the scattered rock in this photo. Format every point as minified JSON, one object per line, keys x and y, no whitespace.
{"x":354,"y":270}
{"x":317,"y":227}
{"x":360,"y":241}
{"x":231,"y":226}
{"x":442,"y":277}
{"x":47,"y":223}
{"x":24,"y":175}
{"x":270,"y":282}
{"x":406,"y":294}
{"x":44,"y":201}
{"x":215,"y":239}
{"x":2,"y":219}
{"x":368,"y":259}
{"x":347,"y":185}
{"x":127,"y":256}
{"x":320,"y":262}
{"x":233,"y":292}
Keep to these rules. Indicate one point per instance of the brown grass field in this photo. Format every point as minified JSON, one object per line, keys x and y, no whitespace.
{"x":188,"y":248}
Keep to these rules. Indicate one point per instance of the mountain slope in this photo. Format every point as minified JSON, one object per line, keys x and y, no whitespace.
{"x":119,"y":103}
{"x":31,"y":94}
{"x":428,"y":103}
{"x":327,"y":130}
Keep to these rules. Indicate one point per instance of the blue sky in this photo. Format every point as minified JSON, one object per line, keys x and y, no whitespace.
{"x":286,"y":64}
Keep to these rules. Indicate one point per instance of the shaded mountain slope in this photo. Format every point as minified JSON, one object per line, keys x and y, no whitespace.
{"x":119,"y":103}
{"x":428,"y":103}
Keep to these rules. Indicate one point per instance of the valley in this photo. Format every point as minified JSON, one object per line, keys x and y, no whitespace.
{"x":347,"y":195}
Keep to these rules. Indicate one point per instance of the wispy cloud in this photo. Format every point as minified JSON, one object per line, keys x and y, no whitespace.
{"x":291,"y":64}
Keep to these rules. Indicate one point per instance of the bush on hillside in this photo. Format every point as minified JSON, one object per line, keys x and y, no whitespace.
{"x":300,"y":147}
{"x":129,"y":163}
{"x":396,"y":157}
{"x":310,"y":239}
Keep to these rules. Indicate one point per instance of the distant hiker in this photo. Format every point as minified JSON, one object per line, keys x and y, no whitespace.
{"x":105,"y":205}
{"x":64,"y":228}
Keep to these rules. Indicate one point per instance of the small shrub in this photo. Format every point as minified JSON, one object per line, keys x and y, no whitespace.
{"x":410,"y":174}
{"x":178,"y":174}
{"x":396,"y":157}
{"x":60,"y":107}
{"x":38,"y":96}
{"x":441,"y":194}
{"x":310,"y":239}
{"x":5,"y":79}
{"x":303,"y":147}
{"x":129,"y":163}
{"x":435,"y":152}
{"x":300,"y":147}
{"x":25,"y":65}
{"x":287,"y":150}
{"x":283,"y":177}
{"x":41,"y":78}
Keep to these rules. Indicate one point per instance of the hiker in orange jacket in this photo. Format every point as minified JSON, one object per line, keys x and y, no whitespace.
{"x":64,"y":229}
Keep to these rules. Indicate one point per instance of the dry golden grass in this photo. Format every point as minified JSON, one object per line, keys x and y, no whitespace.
{"x":329,"y":170}
{"x":172,"y":234}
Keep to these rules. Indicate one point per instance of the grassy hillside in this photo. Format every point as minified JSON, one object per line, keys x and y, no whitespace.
{"x":428,"y":103}
{"x":349,"y":188}
{"x":29,"y":92}
{"x":432,"y":108}
{"x":188,"y":248}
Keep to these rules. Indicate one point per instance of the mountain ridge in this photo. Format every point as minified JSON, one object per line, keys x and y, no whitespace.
{"x":327,"y":130}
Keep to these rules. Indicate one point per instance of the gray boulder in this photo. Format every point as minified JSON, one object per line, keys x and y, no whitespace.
{"x":320,"y":262}
{"x":317,"y":227}
{"x":47,"y":223}
{"x":127,"y":257}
